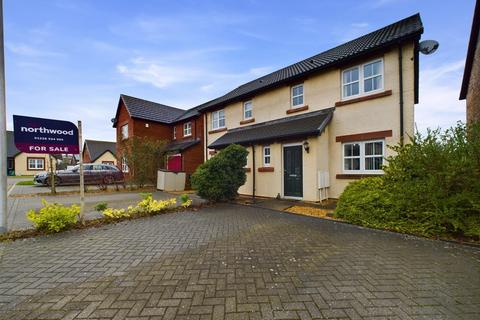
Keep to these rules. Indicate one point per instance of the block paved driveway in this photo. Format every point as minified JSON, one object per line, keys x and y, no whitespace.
{"x":237,"y":262}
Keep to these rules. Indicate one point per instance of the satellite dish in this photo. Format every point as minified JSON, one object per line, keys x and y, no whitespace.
{"x":428,"y":46}
{"x":113,"y":120}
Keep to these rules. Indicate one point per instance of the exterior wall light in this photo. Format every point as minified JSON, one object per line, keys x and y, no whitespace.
{"x":306,"y":146}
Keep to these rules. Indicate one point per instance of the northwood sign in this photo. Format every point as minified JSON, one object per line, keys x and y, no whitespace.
{"x":38,"y":135}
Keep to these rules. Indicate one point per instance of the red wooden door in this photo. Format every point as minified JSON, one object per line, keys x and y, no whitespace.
{"x":174,"y":163}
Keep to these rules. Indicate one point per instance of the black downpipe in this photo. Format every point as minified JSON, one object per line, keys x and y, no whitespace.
{"x":400,"y":75}
{"x":205,"y":124}
{"x":253,"y":172}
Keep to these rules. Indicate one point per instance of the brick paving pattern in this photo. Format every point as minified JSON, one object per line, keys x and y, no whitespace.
{"x":236,"y":262}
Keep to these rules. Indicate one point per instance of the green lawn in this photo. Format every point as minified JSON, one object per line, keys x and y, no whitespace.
{"x":21,"y":177}
{"x":25,"y":183}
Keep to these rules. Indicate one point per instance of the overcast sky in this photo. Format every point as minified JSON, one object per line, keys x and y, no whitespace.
{"x":71,"y":59}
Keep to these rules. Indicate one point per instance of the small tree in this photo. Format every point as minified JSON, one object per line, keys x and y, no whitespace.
{"x":219,"y":178}
{"x":144,"y":156}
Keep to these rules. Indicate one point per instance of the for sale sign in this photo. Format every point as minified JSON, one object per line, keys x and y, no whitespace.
{"x":38,"y":135}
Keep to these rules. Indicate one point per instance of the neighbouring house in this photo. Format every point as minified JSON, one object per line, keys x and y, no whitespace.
{"x":21,"y":163}
{"x":181,"y":129}
{"x":470,"y":89}
{"x":316,"y":125}
{"x":101,"y":152}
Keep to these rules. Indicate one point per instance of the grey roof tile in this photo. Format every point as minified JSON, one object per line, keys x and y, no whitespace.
{"x":179,"y":146}
{"x":407,"y":28}
{"x":12,"y":150}
{"x":148,"y":110}
{"x":300,"y":126}
{"x":96,"y":148}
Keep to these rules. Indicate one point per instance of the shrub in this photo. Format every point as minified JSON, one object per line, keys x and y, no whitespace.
{"x":148,"y":205}
{"x":144,"y":156}
{"x":100,"y":207}
{"x":219,"y":178}
{"x":430,"y":187}
{"x":186,"y":201}
{"x":54,"y":217}
{"x":116,"y":213}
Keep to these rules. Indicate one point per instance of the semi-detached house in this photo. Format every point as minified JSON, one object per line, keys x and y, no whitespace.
{"x":316,"y":125}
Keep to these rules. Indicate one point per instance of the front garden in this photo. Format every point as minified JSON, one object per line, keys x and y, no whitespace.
{"x":430,"y":188}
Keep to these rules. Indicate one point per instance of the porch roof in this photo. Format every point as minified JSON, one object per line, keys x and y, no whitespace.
{"x":301,"y":126}
{"x":179,"y":146}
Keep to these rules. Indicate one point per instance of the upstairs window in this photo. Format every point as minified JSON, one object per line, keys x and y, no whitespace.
{"x":218,"y":119}
{"x":247,"y":110}
{"x":266,"y":156}
{"x":363,"y":156}
{"x":297,"y":95}
{"x":174,"y":133}
{"x":124,"y":131}
{"x":362,"y":79}
{"x":187,"y":129}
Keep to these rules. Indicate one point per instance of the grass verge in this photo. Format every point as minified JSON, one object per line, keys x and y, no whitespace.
{"x":25,"y":183}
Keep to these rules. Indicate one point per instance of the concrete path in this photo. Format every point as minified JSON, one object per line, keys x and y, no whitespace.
{"x":237,"y":262}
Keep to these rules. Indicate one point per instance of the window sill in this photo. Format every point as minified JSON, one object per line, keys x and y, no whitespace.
{"x":187,"y":135}
{"x":217,"y":130}
{"x":266,"y":169}
{"x":357,"y":175}
{"x":247,"y":121}
{"x":297,"y":109}
{"x":248,"y":169}
{"x":385,"y":93}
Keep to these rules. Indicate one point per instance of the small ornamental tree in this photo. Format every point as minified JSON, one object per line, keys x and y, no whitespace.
{"x":144,"y":156}
{"x":219,"y":178}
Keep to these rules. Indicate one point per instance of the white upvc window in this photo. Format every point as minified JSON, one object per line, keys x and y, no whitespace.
{"x":218,"y":119}
{"x":297,"y":95}
{"x":362,"y":79}
{"x":363,"y":156}
{"x":124,"y":131}
{"x":174,"y":133}
{"x":187,"y":129}
{"x":266,"y":156}
{"x":247,"y":110}
{"x":36,"y":164}
{"x":124,"y":164}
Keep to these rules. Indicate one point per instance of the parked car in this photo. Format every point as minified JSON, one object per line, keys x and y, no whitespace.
{"x":93,"y":174}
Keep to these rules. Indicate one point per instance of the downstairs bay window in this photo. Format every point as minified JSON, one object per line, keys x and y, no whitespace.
{"x":363,"y":156}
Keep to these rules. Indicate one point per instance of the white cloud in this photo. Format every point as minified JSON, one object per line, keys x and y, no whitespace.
{"x":439,"y":90}
{"x":205,"y":78}
{"x":31,"y":51}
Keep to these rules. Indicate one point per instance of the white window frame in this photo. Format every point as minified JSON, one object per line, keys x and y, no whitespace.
{"x":245,"y":104}
{"x":267,"y":156}
{"x":187,"y":129}
{"x":38,"y":164}
{"x":361,"y":80}
{"x":124,"y":165}
{"x":363,"y":157}
{"x":298,"y":95}
{"x":220,"y":114}
{"x":122,"y":131}
{"x":174,"y":132}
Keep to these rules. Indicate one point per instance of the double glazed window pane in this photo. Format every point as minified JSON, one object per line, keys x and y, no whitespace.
{"x":297,"y":95}
{"x":373,"y":148}
{"x":247,"y":107}
{"x":352,"y":164}
{"x":373,"y":163}
{"x":372,"y":73}
{"x":351,"y":83}
{"x":218,"y":119}
{"x":352,"y":150}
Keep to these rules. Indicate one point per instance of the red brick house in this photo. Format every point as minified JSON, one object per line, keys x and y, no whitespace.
{"x":182,"y":129}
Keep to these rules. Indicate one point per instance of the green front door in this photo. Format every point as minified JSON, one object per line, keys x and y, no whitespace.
{"x":293,"y":171}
